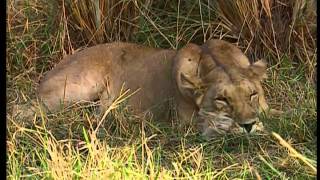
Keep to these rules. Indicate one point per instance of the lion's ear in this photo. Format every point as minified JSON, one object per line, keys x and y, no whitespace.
{"x":189,"y":82}
{"x":192,"y":46}
{"x":192,"y":87}
{"x":258,"y":70}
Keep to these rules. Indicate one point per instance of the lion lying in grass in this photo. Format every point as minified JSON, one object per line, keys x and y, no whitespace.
{"x":214,"y":84}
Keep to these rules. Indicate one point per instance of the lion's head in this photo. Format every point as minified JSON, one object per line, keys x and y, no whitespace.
{"x":223,"y":85}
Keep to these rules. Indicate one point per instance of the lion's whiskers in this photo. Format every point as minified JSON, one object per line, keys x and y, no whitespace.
{"x":218,"y":121}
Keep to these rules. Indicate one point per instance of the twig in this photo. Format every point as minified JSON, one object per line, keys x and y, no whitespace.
{"x":294,"y":153}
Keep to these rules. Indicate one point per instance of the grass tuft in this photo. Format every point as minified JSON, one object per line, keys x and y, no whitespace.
{"x":78,"y":143}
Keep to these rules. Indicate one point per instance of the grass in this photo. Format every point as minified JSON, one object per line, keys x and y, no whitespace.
{"x":72,"y":145}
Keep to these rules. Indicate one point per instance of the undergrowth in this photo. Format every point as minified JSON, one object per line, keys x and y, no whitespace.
{"x":77,"y":143}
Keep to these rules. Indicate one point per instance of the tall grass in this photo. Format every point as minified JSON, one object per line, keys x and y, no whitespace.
{"x":263,"y":28}
{"x":102,"y":20}
{"x":275,"y":28}
{"x":77,"y":143}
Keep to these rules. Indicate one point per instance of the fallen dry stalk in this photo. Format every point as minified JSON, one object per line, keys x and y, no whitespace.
{"x":122,"y":97}
{"x":294,"y":153}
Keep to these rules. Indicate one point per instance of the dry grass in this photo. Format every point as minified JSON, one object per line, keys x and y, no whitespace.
{"x":102,"y":20}
{"x":77,"y":143}
{"x":272,"y":27}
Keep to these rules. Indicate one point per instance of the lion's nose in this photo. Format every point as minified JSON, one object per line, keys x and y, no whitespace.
{"x":247,"y":127}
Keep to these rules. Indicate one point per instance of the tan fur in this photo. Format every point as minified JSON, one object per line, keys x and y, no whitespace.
{"x":194,"y":77}
{"x":86,"y":75}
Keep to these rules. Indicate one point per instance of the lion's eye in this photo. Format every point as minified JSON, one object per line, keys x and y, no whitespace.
{"x":253,"y":96}
{"x":221,"y":102}
{"x":221,"y":99}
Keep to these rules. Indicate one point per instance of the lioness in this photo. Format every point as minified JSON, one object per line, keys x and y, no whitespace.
{"x":214,"y":84}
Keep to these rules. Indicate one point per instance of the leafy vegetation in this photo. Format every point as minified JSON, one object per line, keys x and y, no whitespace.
{"x":78,"y":144}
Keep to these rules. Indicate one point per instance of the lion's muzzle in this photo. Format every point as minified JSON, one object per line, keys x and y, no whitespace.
{"x":214,"y":124}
